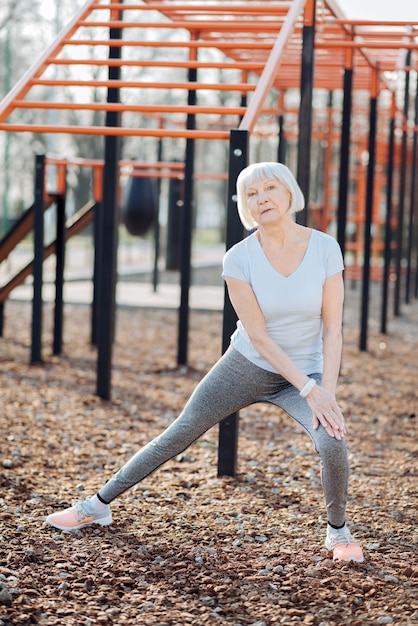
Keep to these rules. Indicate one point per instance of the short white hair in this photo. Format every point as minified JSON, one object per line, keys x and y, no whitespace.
{"x":260,"y":171}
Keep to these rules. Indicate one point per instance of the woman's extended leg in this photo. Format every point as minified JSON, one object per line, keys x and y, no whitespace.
{"x":230,"y":385}
{"x":233,"y":383}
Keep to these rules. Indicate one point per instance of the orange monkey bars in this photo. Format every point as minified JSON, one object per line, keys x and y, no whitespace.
{"x":124,"y":62}
{"x":250,"y":52}
{"x":260,"y":38}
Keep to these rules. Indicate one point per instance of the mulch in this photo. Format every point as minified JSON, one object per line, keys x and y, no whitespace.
{"x":188,"y":547}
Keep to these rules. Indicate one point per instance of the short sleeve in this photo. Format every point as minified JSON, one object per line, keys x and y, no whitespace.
{"x":334,"y":258}
{"x":235,"y":264}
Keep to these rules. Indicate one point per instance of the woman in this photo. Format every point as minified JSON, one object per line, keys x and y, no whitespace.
{"x":285,"y":283}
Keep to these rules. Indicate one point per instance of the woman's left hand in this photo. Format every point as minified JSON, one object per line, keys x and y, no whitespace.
{"x":325,"y":411}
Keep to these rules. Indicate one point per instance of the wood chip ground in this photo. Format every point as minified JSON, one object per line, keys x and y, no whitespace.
{"x":187,"y":547}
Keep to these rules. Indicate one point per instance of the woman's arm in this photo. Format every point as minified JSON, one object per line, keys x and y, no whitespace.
{"x":321,"y":399}
{"x":248,"y":310}
{"x":332,"y":319}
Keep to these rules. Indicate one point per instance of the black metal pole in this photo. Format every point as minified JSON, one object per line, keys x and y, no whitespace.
{"x":228,"y":428}
{"x":174,"y":222}
{"x":412,"y":205}
{"x":305,"y":111}
{"x":282,"y":143}
{"x":38,"y":258}
{"x":96,"y":275}
{"x":388,"y":222}
{"x":344,"y":159}
{"x":368,"y":221}
{"x":186,"y":231}
{"x":157,"y":230}
{"x":108,"y":235}
{"x":402,"y":191}
{"x":59,"y":275}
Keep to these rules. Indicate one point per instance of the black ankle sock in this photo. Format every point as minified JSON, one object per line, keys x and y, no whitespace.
{"x":101,"y":499}
{"x":336,"y":527}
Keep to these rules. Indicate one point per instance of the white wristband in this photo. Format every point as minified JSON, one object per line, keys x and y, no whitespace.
{"x":307,"y":388}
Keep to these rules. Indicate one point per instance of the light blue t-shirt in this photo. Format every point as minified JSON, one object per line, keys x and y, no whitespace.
{"x":291,"y":305}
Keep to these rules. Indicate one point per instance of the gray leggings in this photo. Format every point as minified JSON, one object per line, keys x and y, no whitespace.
{"x":232,"y":384}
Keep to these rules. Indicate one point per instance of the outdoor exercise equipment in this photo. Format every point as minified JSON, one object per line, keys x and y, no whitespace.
{"x":262,"y":51}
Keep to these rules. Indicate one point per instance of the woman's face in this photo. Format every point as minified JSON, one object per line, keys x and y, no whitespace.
{"x":268,"y":200}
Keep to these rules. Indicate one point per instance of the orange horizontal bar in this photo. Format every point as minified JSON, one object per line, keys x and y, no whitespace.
{"x":115,"y":131}
{"x":119,"y":84}
{"x":152,"y":174}
{"x":117,"y":106}
{"x":156,"y":165}
{"x":386,"y":36}
{"x":150,"y":108}
{"x":139,"y":169}
{"x":235,"y":65}
{"x":116,"y":43}
{"x":221,"y":25}
{"x":367,"y":44}
{"x":81,"y":162}
{"x":355,"y":22}
{"x":179,"y":8}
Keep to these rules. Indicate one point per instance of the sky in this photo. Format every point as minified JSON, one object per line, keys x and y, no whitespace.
{"x":380,"y":9}
{"x":365,"y":9}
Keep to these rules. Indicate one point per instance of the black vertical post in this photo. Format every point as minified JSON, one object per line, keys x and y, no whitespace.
{"x":157,"y":230}
{"x":416,"y":255}
{"x":59,"y":275}
{"x":305,"y":108}
{"x":96,"y":275}
{"x":369,"y":215}
{"x":186,"y":231}
{"x":38,"y":258}
{"x":345,"y":155}
{"x":388,"y":224}
{"x":412,"y":204}
{"x":108,"y":234}
{"x":282,"y":144}
{"x":174,"y":222}
{"x":402,"y":190}
{"x":228,"y":428}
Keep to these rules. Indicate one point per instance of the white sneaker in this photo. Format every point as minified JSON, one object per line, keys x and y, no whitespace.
{"x":343,"y":545}
{"x":79,"y":516}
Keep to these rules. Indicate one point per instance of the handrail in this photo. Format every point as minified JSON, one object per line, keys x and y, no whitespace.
{"x":20,"y":229}
{"x":75,"y":224}
{"x":273,"y":63}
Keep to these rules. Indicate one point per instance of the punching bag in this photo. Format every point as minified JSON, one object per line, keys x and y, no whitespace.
{"x":140,"y":204}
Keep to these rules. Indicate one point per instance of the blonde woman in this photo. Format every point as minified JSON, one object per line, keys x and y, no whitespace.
{"x":285,"y":283}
